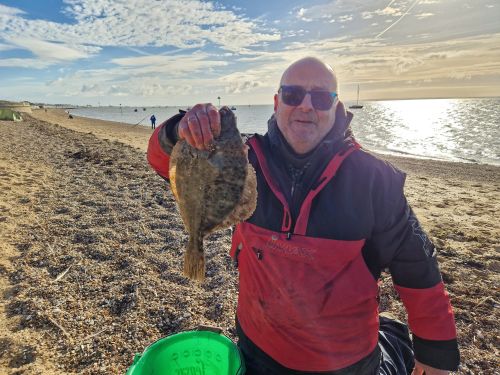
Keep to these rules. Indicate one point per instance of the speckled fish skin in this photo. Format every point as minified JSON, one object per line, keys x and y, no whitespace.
{"x":214,"y":189}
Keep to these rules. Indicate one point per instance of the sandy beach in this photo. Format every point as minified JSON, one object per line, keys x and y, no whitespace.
{"x":91,"y":250}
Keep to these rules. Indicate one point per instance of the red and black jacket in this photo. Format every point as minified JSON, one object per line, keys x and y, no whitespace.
{"x":310,"y":260}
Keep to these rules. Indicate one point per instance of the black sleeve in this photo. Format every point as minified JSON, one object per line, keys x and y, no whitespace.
{"x":399,"y":241}
{"x":399,"y":244}
{"x":167,"y":135}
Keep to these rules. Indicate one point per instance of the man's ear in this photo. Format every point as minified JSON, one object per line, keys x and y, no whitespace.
{"x":275,"y":102}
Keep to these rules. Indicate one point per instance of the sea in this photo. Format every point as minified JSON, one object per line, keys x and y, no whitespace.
{"x":457,"y":130}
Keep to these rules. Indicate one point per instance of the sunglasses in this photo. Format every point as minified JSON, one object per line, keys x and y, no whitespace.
{"x":321,"y":99}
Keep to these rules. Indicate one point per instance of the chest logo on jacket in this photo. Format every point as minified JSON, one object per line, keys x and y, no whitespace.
{"x":289,"y":249}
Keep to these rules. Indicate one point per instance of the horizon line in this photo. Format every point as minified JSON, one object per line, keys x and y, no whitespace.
{"x":246,"y":104}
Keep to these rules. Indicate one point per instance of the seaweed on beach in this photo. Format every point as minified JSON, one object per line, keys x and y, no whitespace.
{"x":92,"y":256}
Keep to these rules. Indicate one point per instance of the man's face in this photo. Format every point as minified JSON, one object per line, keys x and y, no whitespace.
{"x":304,"y":126}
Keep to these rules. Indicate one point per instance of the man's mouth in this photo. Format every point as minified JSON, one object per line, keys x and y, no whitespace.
{"x":304,"y":121}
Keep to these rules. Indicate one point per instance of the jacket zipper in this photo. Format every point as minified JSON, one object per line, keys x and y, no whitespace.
{"x":292,"y":221}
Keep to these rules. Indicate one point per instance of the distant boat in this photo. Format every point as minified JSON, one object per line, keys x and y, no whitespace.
{"x":357,"y":105}
{"x":144,"y":109}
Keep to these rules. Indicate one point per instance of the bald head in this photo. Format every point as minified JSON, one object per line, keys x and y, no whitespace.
{"x":313,"y":69}
{"x":304,"y":124}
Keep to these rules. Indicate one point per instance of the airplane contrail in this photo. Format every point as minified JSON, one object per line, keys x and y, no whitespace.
{"x":399,"y":19}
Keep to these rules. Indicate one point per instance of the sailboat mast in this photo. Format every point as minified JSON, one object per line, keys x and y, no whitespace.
{"x":357,"y":105}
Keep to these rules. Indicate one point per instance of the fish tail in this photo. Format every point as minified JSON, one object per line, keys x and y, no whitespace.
{"x":194,"y":259}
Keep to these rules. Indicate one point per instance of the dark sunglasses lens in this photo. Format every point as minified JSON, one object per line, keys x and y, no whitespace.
{"x":292,"y":95}
{"x":322,"y":100}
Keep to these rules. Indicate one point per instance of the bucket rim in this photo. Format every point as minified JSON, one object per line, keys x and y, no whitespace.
{"x":214,"y":332}
{"x":218,"y":335}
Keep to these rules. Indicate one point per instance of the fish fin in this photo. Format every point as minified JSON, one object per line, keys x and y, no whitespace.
{"x":249,"y":196}
{"x":173,"y":181}
{"x":194,"y":259}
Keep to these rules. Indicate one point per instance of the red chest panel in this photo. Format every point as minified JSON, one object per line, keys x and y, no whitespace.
{"x":311,"y":304}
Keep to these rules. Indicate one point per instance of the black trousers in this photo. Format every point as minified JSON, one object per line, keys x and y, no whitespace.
{"x":392,"y":356}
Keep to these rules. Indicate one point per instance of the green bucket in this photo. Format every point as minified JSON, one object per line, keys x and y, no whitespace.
{"x":190,"y":353}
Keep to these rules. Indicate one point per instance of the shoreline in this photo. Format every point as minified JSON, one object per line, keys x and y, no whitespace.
{"x":135,"y":136}
{"x":91,"y":250}
{"x":138,"y":137}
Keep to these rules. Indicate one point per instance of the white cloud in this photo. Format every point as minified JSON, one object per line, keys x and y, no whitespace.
{"x":460,"y":75}
{"x":374,"y":60}
{"x":89,"y":88}
{"x":385,"y":12}
{"x":6,"y":47}
{"x":25,"y":63}
{"x":424,"y":15}
{"x":294,"y":33}
{"x":346,"y":18}
{"x":145,"y":76}
{"x":139,"y":23}
{"x":242,"y":86}
{"x":237,"y":69}
{"x":388,"y":11}
{"x":403,"y":64}
{"x":366,"y":15}
{"x":170,"y":66}
{"x":340,"y":9}
{"x":118,"y":91}
{"x":301,"y":15}
{"x":53,"y":52}
{"x":9,"y":11}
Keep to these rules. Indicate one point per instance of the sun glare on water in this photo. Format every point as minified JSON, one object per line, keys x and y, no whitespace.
{"x":420,"y":122}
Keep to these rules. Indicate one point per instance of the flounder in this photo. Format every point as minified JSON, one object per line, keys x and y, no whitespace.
{"x":214,"y":189}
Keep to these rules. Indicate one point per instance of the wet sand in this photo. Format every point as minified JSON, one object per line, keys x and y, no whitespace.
{"x":91,"y":250}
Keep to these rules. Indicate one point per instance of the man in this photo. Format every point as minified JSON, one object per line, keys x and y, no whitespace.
{"x":329,"y":218}
{"x":153,"y":121}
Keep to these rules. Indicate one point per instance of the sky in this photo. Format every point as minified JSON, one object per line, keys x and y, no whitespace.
{"x":181,"y":52}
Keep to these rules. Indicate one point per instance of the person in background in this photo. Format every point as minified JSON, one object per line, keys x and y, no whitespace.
{"x":330,"y":218}
{"x":153,"y":121}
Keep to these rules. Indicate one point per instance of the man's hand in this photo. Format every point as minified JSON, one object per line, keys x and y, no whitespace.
{"x":421,"y":369}
{"x":200,"y":125}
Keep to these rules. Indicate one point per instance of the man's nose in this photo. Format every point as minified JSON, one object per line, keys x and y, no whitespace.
{"x":306,"y":104}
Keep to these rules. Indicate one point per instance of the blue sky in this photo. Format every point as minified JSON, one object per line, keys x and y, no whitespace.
{"x":178,"y":52}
